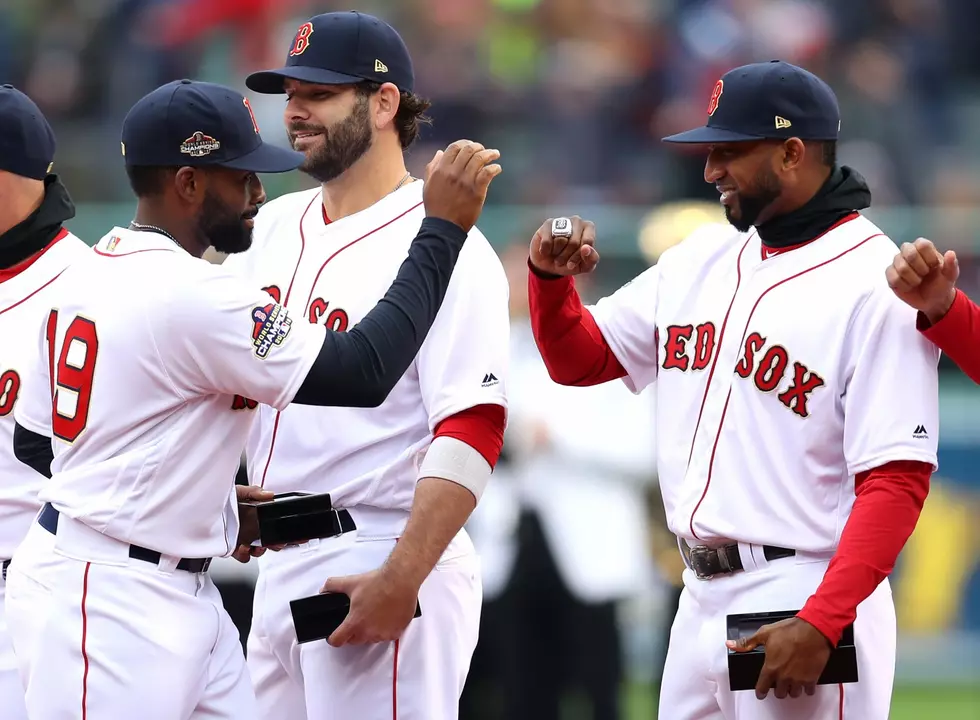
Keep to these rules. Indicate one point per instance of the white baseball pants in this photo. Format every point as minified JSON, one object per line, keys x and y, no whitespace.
{"x":29,"y":581}
{"x":695,"y":680}
{"x":11,"y":687}
{"x":419,"y":677}
{"x":123,"y":638}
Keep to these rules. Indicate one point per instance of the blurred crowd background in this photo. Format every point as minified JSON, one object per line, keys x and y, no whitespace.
{"x":577,"y":94}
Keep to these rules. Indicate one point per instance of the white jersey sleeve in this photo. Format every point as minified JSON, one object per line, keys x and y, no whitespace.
{"x":464,"y":359}
{"x":220,"y":336}
{"x":628,"y":321}
{"x":34,"y":409}
{"x":891,"y":397}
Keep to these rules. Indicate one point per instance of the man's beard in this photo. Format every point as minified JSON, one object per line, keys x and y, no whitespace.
{"x":766,"y":191}
{"x":343,"y":144}
{"x":224,"y":229}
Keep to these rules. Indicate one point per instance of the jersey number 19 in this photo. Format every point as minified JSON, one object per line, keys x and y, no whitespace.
{"x":72,"y":376}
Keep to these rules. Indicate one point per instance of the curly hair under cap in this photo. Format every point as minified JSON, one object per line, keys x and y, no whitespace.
{"x":410,"y":116}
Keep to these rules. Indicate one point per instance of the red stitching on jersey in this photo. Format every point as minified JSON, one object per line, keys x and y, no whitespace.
{"x":394,"y":685}
{"x":285,"y":303}
{"x":352,"y":242}
{"x":724,"y":411}
{"x":133,"y":252}
{"x":306,"y":308}
{"x":841,"y":715}
{"x":721,"y":339}
{"x":88,"y":565}
{"x":24,"y":300}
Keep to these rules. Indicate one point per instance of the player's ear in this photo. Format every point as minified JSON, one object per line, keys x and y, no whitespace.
{"x":793,"y":153}
{"x":386,"y":102}
{"x":190,"y":184}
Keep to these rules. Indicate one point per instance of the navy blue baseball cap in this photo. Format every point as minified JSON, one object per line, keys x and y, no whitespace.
{"x":341,"y":48}
{"x":201,"y":124}
{"x":27,"y":142}
{"x":769,"y":100}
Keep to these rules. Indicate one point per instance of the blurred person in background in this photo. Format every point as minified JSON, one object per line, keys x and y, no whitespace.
{"x":580,"y":461}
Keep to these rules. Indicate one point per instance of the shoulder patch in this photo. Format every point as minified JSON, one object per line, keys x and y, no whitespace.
{"x":270,"y":326}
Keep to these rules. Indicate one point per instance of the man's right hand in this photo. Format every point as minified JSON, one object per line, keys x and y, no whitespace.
{"x":565,"y":256}
{"x":924,"y":278}
{"x":456,"y":182}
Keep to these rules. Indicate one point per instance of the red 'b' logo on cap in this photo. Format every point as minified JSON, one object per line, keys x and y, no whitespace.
{"x":715,"y":97}
{"x":302,"y":40}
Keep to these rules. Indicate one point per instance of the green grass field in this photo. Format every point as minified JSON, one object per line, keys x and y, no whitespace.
{"x":910,"y":703}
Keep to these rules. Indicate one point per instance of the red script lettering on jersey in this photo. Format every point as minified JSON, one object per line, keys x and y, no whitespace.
{"x":690,"y":347}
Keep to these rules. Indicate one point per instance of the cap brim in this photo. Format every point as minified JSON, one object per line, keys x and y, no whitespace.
{"x":271,"y":82}
{"x":706,"y":135}
{"x":267,"y":159}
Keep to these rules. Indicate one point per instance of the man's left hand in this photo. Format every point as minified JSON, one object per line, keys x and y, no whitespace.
{"x":796,"y":655}
{"x":381,"y":606}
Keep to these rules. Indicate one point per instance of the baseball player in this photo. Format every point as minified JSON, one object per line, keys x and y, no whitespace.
{"x":408,"y":473}
{"x":925,"y":278}
{"x":791,"y":472}
{"x":35,"y":248}
{"x":144,"y":348}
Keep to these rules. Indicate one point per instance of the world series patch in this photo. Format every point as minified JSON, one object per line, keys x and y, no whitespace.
{"x":271,"y":325}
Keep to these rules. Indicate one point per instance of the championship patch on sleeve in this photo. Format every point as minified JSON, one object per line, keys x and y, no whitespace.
{"x":271,"y":325}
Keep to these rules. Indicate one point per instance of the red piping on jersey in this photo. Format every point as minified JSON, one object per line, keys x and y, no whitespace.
{"x":24,"y":300}
{"x":724,"y":412}
{"x":285,"y":302}
{"x":15,"y":270}
{"x":88,"y":565}
{"x":768,"y":252}
{"x":841,"y":714}
{"x":721,"y":339}
{"x":353,"y":242}
{"x":275,"y":427}
{"x":394,"y":685}
{"x":133,"y":252}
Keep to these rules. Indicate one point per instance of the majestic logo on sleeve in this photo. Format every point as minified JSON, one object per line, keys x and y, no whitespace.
{"x":271,"y":325}
{"x":690,"y":347}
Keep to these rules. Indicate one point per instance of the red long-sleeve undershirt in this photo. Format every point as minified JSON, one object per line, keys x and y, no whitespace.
{"x":568,"y":338}
{"x":481,"y":427}
{"x":888,"y":498}
{"x":957,"y":334}
{"x":886,"y":510}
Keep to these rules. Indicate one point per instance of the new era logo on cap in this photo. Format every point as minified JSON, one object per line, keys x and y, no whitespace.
{"x":769,"y":100}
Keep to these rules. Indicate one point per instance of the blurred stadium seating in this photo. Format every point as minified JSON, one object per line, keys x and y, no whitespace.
{"x":576,"y":94}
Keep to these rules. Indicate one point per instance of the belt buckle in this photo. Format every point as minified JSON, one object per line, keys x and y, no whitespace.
{"x":699,"y":553}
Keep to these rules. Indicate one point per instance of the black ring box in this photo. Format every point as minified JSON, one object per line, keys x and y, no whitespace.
{"x":293,"y":517}
{"x":744,"y":667}
{"x":316,"y":617}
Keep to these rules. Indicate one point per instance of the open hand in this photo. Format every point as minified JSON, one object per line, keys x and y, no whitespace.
{"x":796,"y":655}
{"x":924,"y":278}
{"x":381,"y":606}
{"x":565,"y":255}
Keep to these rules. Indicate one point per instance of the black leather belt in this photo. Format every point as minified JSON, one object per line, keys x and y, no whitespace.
{"x":338,"y":523}
{"x":48,"y":519}
{"x":6,"y":564}
{"x":708,"y":562}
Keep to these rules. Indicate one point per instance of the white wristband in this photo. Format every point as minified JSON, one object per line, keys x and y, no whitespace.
{"x":454,"y":460}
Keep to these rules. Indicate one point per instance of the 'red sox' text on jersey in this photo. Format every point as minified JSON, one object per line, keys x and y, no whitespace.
{"x":777,"y":380}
